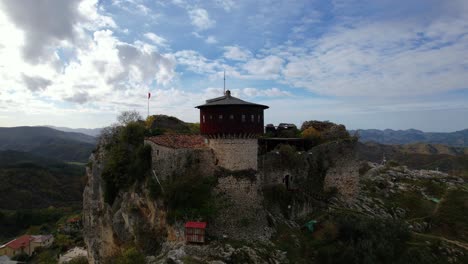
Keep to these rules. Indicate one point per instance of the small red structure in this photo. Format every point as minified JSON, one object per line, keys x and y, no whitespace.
{"x":195,"y":232}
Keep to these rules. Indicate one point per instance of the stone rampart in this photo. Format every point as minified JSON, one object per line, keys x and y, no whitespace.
{"x":235,"y":154}
{"x":169,"y":162}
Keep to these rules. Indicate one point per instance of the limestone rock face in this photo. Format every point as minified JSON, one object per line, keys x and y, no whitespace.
{"x":134,"y":218}
{"x":97,"y":215}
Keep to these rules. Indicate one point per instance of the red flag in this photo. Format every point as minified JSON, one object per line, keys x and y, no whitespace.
{"x":149,"y":95}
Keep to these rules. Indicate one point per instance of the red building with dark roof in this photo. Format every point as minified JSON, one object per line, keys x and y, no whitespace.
{"x":232,"y":117}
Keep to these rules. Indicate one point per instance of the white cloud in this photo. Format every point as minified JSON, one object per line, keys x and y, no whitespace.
{"x":36,"y":83}
{"x":268,"y":67}
{"x":133,"y":6}
{"x":383,"y":59}
{"x":227,"y":5}
{"x":211,"y":40}
{"x":158,"y":40}
{"x":255,"y":92}
{"x":100,"y":68}
{"x":196,"y":62}
{"x":236,"y":53}
{"x":201,"y":19}
{"x":43,"y":34}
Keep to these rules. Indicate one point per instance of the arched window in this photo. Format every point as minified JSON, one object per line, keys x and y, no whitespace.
{"x":203,"y":118}
{"x":211,"y":117}
{"x":231,"y":117}
{"x":243,"y":118}
{"x":220,"y":117}
{"x":252,"y":118}
{"x":258,"y":119}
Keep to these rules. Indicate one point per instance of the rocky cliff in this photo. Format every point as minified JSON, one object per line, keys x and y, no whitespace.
{"x":136,"y":218}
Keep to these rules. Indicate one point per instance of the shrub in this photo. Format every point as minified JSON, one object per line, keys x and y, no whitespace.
{"x":47,"y":257}
{"x":149,"y":121}
{"x":128,"y":117}
{"x":365,"y":240}
{"x":22,"y":257}
{"x":288,"y":133}
{"x":127,"y":160}
{"x":289,"y":156}
{"x":194,"y":128}
{"x":154,"y":188}
{"x":435,"y":189}
{"x":129,"y":256}
{"x":392,"y":163}
{"x":78,"y":260}
{"x":451,"y":218}
{"x":364,"y":168}
{"x":312,"y":135}
{"x":277,"y":195}
{"x":190,"y":196}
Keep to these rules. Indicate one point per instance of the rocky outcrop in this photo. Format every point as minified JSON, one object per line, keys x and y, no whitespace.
{"x":381,"y":184}
{"x":138,"y":219}
{"x":134,"y":218}
{"x":218,"y":253}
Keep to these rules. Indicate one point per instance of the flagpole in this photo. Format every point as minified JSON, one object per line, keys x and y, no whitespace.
{"x":149,"y":95}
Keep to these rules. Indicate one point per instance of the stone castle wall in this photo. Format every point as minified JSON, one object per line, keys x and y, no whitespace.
{"x":242,"y":217}
{"x":168,"y":162}
{"x":235,"y":154}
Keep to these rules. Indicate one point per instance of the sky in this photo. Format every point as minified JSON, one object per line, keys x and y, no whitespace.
{"x":362,"y":63}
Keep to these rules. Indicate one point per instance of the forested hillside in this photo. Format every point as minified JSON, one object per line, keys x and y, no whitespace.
{"x":30,"y":181}
{"x":48,"y":142}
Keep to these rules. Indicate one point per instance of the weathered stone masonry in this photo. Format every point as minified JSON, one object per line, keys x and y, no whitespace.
{"x":235,"y":154}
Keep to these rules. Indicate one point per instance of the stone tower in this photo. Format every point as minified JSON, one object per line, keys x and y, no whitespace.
{"x":232,"y":127}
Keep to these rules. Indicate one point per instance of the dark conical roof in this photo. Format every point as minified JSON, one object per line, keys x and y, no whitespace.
{"x":227,"y":99}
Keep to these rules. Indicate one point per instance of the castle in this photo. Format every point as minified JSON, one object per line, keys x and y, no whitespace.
{"x":258,"y":185}
{"x":228,"y":147}
{"x":229,"y":128}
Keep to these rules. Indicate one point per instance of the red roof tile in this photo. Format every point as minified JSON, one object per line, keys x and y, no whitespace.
{"x":179,"y":141}
{"x":22,"y":241}
{"x":195,"y":225}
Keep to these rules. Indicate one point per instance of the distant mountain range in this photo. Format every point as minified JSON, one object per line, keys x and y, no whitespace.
{"x":452,"y":160}
{"x":94,"y":132}
{"x":48,"y":143}
{"x":389,"y":136}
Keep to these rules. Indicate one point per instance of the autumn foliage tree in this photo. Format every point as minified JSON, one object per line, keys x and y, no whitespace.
{"x":313,"y":135}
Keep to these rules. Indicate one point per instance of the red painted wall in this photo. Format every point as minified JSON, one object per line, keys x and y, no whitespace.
{"x":212,"y":124}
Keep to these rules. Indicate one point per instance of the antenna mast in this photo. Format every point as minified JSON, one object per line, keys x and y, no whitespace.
{"x":224,"y":82}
